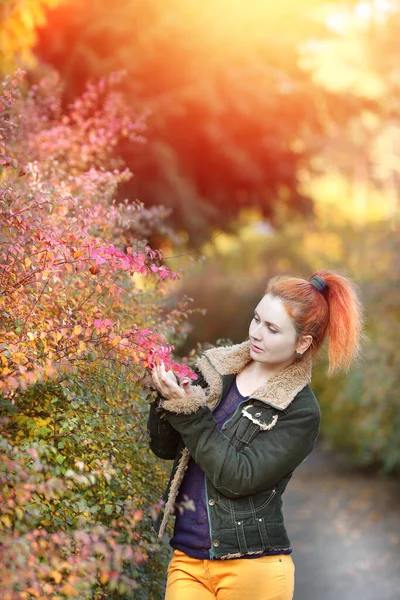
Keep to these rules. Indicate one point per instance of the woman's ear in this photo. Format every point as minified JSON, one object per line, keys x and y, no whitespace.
{"x":304,"y":343}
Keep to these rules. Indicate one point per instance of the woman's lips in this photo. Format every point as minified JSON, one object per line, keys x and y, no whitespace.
{"x":255,"y":348}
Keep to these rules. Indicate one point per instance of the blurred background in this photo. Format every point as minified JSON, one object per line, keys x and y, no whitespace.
{"x":272,"y":141}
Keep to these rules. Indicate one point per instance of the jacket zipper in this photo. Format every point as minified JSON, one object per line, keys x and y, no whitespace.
{"x":234,"y":414}
{"x":222,"y":382}
{"x":211,"y":552}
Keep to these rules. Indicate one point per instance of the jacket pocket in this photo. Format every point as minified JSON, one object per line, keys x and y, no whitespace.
{"x":254,"y":419}
{"x":265,"y":418}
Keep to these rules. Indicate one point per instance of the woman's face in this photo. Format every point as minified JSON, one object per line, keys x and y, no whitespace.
{"x":272,"y":333}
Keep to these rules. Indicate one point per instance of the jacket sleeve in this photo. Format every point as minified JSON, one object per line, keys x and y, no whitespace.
{"x":258,"y":466}
{"x":164,"y":439}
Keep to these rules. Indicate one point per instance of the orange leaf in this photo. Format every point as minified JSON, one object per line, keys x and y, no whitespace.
{"x":104,"y":577}
{"x":57,"y":576}
{"x":68,"y":590}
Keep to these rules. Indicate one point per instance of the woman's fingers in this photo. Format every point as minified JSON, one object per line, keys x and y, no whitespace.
{"x":167,"y":385}
{"x":159,"y":371}
{"x":155,"y":377}
{"x":163,"y":376}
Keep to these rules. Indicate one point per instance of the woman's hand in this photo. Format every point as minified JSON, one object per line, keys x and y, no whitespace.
{"x":167,"y":383}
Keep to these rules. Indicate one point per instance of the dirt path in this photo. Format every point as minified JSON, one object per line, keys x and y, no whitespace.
{"x":345,"y":531}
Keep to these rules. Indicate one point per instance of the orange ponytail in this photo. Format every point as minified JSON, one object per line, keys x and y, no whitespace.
{"x":335,"y":312}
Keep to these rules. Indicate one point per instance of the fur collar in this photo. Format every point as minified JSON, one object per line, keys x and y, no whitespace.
{"x":280,"y":390}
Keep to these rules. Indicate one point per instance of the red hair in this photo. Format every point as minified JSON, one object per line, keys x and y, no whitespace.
{"x":334,"y":313}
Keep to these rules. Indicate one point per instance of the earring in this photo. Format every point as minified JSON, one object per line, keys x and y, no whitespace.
{"x":298,"y":355}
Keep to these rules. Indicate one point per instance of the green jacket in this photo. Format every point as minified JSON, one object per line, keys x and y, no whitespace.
{"x":249,"y":462}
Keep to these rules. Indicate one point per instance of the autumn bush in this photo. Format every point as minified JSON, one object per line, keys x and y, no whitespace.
{"x":83,"y":310}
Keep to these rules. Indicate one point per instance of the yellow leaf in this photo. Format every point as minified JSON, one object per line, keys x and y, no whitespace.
{"x":77,"y":330}
{"x":28,"y":262}
{"x":6,"y":520}
{"x":58,"y":336}
{"x":19,"y":512}
{"x":78,"y":254}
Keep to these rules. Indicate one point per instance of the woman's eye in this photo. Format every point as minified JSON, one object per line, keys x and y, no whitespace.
{"x":255,"y":318}
{"x":272,"y":330}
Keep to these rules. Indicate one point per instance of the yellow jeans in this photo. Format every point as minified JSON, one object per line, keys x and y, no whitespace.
{"x":263,"y":578}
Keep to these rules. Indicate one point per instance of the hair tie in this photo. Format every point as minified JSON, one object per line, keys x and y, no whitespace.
{"x":319,"y":283}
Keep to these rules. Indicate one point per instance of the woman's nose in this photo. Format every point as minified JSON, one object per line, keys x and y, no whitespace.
{"x":256,"y":332}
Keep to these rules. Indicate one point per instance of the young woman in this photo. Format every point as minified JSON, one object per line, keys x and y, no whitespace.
{"x":237,"y":434}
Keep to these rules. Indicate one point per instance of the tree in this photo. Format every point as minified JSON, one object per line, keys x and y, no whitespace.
{"x":235,"y":117}
{"x":19,"y":20}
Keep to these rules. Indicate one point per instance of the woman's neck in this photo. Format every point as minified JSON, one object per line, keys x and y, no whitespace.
{"x":264,"y":371}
